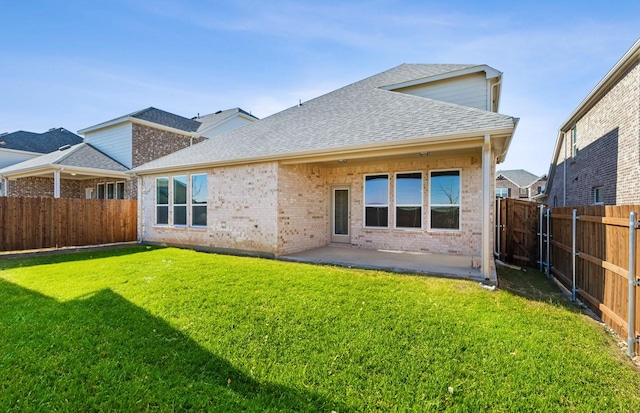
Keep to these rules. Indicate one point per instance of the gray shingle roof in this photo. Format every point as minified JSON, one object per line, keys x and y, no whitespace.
{"x":164,"y":118}
{"x":39,"y":142}
{"x":519,"y":177}
{"x":355,"y":115}
{"x":81,"y":155}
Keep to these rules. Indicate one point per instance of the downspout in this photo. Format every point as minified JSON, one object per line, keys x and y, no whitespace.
{"x":498,"y":83}
{"x":486,"y":207}
{"x":564,"y":177}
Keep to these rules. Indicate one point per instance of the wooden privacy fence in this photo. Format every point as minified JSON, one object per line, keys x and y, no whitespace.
{"x":31,"y":223}
{"x":589,"y":253}
{"x":516,"y":238}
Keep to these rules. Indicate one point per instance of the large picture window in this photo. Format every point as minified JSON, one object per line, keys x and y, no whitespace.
{"x":162,"y":201}
{"x":179,"y":200}
{"x":376,"y":201}
{"x":199,"y":200}
{"x":444,"y":200}
{"x":409,"y":200}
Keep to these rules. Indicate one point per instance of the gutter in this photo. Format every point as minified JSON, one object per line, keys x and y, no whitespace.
{"x":473,"y":139}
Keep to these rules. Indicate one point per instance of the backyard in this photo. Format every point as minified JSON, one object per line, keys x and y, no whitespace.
{"x":163,"y":329}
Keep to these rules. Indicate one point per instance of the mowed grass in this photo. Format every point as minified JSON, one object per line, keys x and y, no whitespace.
{"x":146,"y":329}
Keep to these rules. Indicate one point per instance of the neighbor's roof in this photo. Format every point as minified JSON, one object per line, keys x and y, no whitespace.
{"x":169,"y":120}
{"x":520,"y":177}
{"x":38,"y":142}
{"x":211,"y":119}
{"x":617,"y":72}
{"x":358,"y":115}
{"x":83,"y":156}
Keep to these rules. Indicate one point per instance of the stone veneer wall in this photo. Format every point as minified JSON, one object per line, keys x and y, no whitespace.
{"x":150,"y":143}
{"x":608,"y":138}
{"x":241,"y":211}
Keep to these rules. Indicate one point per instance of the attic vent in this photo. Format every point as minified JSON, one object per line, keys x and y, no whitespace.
{"x":218,"y":112}
{"x":4,"y":133}
{"x":3,"y":143}
{"x":52,"y":129}
{"x":64,"y":147}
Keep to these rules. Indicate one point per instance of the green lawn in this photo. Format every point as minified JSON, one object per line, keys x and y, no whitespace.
{"x":145,"y":329}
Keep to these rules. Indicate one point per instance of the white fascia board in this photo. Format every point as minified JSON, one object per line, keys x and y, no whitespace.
{"x":18,"y":151}
{"x":603,"y":86}
{"x":103,"y":125}
{"x":454,"y":141}
{"x":490,"y":73}
{"x":46,"y":169}
{"x":124,"y":119}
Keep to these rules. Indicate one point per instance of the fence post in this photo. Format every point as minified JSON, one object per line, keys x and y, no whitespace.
{"x":548,"y":243}
{"x":540,"y":237}
{"x":574,"y":253}
{"x":633,"y":282}
{"x":499,"y":227}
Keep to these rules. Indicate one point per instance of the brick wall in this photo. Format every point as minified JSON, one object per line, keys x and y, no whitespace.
{"x":241,"y":211}
{"x":608,"y":139}
{"x":282,"y":209}
{"x":150,"y":143}
{"x":69,"y":188}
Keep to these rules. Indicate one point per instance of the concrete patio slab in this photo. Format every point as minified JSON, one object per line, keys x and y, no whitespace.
{"x":396,"y":261}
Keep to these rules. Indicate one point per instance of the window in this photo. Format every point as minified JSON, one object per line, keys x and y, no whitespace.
{"x":179,"y":200}
{"x":523,"y":192}
{"x":119,"y":190}
{"x":409,"y":200}
{"x":502,"y":192}
{"x":110,"y":190}
{"x":376,"y":201}
{"x":100,"y":191}
{"x":199,"y":200}
{"x":444,"y":200}
{"x":162,"y":201}
{"x":574,"y":142}
{"x":598,"y":195}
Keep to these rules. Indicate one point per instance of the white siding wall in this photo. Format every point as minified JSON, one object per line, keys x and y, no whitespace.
{"x":470,"y":90}
{"x":227,"y":126}
{"x":114,"y":141}
{"x":8,"y":158}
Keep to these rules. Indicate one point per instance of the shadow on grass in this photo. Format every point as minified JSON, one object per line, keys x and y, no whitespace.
{"x":58,"y":256}
{"x":533,"y":285}
{"x":100,"y":352}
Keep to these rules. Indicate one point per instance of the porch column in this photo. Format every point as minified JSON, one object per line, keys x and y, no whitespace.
{"x":486,"y":207}
{"x":56,"y":184}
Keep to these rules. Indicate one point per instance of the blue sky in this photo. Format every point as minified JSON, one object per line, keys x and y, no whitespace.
{"x":74,"y":64}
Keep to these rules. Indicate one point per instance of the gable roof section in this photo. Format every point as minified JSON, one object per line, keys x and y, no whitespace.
{"x":213,"y":119}
{"x":617,"y":72}
{"x":519,"y":177}
{"x":164,"y":118}
{"x":39,"y":142}
{"x":82,"y":156}
{"x":358,"y":116}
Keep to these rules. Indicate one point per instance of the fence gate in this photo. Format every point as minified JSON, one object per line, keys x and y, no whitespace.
{"x":517,"y":229}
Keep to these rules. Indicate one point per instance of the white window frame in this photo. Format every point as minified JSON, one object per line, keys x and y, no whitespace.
{"x":174,"y":205}
{"x":104,"y":190}
{"x":115,"y":195}
{"x":397,"y":204}
{"x":167,"y":205}
{"x":364,"y":198}
{"x":190,"y":203}
{"x":523,"y":191}
{"x":504,"y":191}
{"x":597,"y":189}
{"x":459,"y":204}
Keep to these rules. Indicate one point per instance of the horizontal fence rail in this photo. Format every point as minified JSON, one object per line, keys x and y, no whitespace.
{"x":32,"y":223}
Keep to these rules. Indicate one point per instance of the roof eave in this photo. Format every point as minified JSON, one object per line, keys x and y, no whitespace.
{"x":453,"y":141}
{"x":603,"y":86}
{"x":491,"y":73}
{"x":125,"y":119}
{"x":44,"y":169}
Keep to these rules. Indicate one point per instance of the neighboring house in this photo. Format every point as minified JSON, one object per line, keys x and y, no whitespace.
{"x":20,"y":146}
{"x":403,"y":160}
{"x":519,"y":184}
{"x":596,"y":160}
{"x":95,"y":168}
